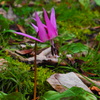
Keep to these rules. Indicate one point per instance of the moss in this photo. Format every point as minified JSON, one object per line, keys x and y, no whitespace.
{"x":43,"y":75}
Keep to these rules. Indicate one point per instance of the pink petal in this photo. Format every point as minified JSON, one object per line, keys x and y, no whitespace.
{"x":42,"y":32}
{"x":42,"y":23}
{"x":53,"y":18}
{"x":34,"y":19}
{"x":52,"y":33}
{"x":35,"y":27}
{"x":29,"y":36}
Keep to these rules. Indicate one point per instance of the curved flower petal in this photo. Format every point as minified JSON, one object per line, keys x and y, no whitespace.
{"x":42,"y":32}
{"x":35,"y":27}
{"x":34,"y":19}
{"x":29,"y":36}
{"x":52,"y":33}
{"x":53,"y":18}
{"x":42,"y":23}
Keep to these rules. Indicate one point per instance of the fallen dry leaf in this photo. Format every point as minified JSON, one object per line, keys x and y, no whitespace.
{"x":95,"y":89}
{"x":56,"y":84}
{"x":87,"y":80}
{"x":71,"y":59}
{"x":2,"y":61}
{"x":3,"y":64}
{"x":3,"y":2}
{"x":21,"y":28}
{"x":97,"y":29}
{"x":62,"y":82}
{"x":89,"y":74}
{"x":24,"y":52}
{"x":10,"y":14}
{"x":3,"y":12}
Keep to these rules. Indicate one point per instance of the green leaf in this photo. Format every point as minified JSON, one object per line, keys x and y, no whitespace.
{"x":8,"y":31}
{"x":74,"y":48}
{"x":77,"y":47}
{"x":52,"y":95}
{"x":85,"y":3}
{"x":4,"y":25}
{"x":74,"y":93}
{"x":2,"y":94}
{"x":12,"y":96}
{"x":97,"y":2}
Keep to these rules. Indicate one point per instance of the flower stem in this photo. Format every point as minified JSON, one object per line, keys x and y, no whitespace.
{"x":54,"y":50}
{"x":35,"y":72}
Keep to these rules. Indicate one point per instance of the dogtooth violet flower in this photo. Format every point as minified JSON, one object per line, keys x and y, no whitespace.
{"x":46,"y":31}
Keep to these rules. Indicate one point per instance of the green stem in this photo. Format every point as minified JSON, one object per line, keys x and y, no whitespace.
{"x":35,"y":71}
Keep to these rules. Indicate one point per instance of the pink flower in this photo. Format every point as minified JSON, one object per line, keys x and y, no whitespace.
{"x":45,"y":32}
